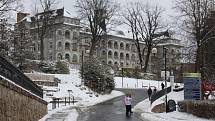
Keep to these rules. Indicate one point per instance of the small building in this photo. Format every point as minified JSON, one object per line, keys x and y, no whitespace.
{"x":43,"y":79}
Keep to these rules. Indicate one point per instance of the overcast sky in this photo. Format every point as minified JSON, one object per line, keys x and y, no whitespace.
{"x":69,"y":5}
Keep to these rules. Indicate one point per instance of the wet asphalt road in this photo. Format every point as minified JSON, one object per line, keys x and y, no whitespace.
{"x":113,"y":110}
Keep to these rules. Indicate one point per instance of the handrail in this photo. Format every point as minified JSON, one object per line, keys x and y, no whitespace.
{"x":160,"y":93}
{"x":10,"y":72}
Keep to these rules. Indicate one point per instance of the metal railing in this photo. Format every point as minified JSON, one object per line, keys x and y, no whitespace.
{"x":10,"y":72}
{"x":160,"y":93}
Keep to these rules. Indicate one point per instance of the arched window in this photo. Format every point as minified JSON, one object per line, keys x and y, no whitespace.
{"x":116,"y":63}
{"x":121,"y":64}
{"x":75,"y":58}
{"x":121,"y":55}
{"x":109,"y":62}
{"x":109,"y":44}
{"x":59,"y":44}
{"x":103,"y":53}
{"x":133,"y":48}
{"x":75,"y":35}
{"x":121,"y":46}
{"x":103,"y":62}
{"x":110,"y":54}
{"x":127,"y":47}
{"x":67,"y":57}
{"x":133,"y":57}
{"x":59,"y":57}
{"x":127,"y":56}
{"x":67,"y":34}
{"x":67,"y":46}
{"x":103,"y":44}
{"x":59,"y":32}
{"x":115,"y":45}
{"x":116,"y":56}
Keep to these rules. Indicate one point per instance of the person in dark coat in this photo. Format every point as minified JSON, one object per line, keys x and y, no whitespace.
{"x":162,"y":85}
{"x":149,"y":91}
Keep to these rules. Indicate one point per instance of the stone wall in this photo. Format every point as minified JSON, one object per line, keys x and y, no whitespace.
{"x":17,"y":104}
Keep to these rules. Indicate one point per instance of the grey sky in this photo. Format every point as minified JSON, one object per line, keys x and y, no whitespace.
{"x":69,"y":5}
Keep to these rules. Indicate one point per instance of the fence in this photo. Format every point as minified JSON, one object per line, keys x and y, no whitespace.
{"x":160,"y":94}
{"x":10,"y":72}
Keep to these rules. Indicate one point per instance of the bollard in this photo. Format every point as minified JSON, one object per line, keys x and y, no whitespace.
{"x":65,"y":101}
{"x":73,"y":100}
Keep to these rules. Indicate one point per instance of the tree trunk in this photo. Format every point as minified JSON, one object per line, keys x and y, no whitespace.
{"x":147,"y":58}
{"x":42,"y":49}
{"x":140,"y":56}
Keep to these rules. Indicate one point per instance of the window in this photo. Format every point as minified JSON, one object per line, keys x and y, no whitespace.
{"x":67,"y":34}
{"x":103,"y":44}
{"x":75,"y":35}
{"x":133,"y":57}
{"x":121,"y":56}
{"x":74,"y":47}
{"x":115,"y":45}
{"x":121,"y":46}
{"x":109,"y":44}
{"x":103,"y":53}
{"x":127,"y":56}
{"x":59,"y":57}
{"x":110,"y":63}
{"x":127,"y":47}
{"x":59,"y":44}
{"x":110,"y":54}
{"x":59,"y":32}
{"x":67,"y":46}
{"x":115,"y":55}
{"x":50,"y":45}
{"x":133,"y":48}
{"x":67,"y":57}
{"x":75,"y":59}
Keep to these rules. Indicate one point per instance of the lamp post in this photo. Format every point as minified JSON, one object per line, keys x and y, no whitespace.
{"x":165,"y":76}
{"x":154,"y":51}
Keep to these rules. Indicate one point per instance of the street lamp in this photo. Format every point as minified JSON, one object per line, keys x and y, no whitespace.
{"x":154,"y":51}
{"x":165,"y":76}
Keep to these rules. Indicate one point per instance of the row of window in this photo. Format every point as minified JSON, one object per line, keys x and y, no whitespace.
{"x":67,"y":34}
{"x":67,"y":57}
{"x":115,"y":55}
{"x":67,"y":46}
{"x":116,"y":45}
{"x":117,"y":64}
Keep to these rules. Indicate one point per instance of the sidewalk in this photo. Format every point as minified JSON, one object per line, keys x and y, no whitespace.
{"x":67,"y":114}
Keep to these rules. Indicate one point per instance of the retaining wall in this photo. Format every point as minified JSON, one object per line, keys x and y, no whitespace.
{"x":17,"y":104}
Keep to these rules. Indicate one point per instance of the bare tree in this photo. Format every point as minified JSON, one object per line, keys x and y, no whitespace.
{"x":44,"y":20}
{"x":98,"y":16}
{"x":145,"y":23}
{"x":194,"y":15}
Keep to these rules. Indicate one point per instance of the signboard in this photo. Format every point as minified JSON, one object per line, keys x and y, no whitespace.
{"x":192,"y":86}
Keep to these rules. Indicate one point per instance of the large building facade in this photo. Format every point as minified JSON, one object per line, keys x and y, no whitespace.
{"x":67,"y":40}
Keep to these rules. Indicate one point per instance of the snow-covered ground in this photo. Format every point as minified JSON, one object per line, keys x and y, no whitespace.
{"x":145,"y":107}
{"x":72,"y":80}
{"x":70,"y":86}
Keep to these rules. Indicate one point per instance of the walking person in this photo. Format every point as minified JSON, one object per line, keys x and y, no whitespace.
{"x":149,"y":91}
{"x":127,"y":102}
{"x":162,"y":85}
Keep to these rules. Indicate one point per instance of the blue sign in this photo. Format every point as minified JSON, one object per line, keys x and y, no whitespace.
{"x":192,"y":86}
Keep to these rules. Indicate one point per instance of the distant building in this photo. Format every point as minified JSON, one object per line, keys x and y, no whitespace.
{"x":68,"y":40}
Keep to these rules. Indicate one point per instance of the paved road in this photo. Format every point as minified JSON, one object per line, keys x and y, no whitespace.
{"x":113,"y":110}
